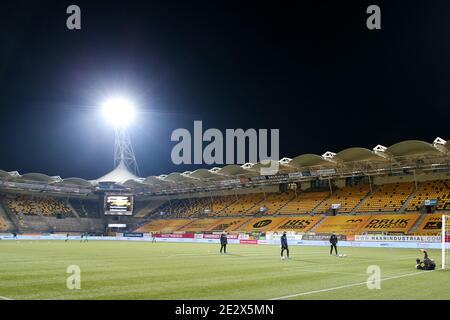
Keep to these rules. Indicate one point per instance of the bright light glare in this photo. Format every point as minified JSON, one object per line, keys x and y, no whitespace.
{"x":118,"y":111}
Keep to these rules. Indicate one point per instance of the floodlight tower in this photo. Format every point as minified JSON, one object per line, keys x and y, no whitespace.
{"x":123,"y":151}
{"x":120,"y":112}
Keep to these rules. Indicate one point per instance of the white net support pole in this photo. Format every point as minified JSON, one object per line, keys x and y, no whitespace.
{"x":443,"y":240}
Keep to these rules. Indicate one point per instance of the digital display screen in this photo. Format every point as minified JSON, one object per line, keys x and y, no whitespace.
{"x":119,"y":204}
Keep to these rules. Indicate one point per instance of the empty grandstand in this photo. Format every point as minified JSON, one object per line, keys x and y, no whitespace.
{"x":346,"y":192}
{"x":431,"y":190}
{"x":388,"y":198}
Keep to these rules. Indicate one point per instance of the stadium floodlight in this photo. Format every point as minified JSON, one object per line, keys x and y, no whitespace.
{"x":118,"y":111}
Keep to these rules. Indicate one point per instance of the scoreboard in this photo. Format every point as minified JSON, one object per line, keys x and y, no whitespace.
{"x":121,"y":205}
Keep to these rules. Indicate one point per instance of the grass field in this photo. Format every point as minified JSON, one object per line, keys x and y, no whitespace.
{"x":137,"y":270}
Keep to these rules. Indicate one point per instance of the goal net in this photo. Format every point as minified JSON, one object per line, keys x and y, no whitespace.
{"x":445,"y":238}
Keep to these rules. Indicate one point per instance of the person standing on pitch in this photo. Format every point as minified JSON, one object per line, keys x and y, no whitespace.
{"x":223,"y":243}
{"x":284,"y":246}
{"x":333,"y":241}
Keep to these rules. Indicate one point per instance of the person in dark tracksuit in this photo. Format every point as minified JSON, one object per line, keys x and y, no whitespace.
{"x":333,"y":241}
{"x":223,"y":243}
{"x":284,"y":245}
{"x":426,"y":264}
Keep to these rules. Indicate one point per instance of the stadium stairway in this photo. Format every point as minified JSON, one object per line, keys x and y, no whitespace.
{"x":75,"y":212}
{"x":256,"y":206}
{"x":149,"y":208}
{"x":243,"y":224}
{"x":355,"y":209}
{"x":218,"y":213}
{"x":313,"y":229}
{"x":77,"y":205}
{"x":283,"y":206}
{"x":85,"y":223}
{"x":408,"y":200}
{"x":417,"y":224}
{"x":314,"y":210}
{"x":136,"y":223}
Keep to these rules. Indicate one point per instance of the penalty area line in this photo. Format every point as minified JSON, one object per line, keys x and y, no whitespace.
{"x":5,"y":298}
{"x":347,"y":286}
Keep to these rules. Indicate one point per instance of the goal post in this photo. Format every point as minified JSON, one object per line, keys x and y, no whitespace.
{"x":445,"y":236}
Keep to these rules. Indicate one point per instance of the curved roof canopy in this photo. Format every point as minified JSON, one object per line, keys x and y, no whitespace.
{"x":4,"y":174}
{"x":309,"y":160}
{"x":358,"y":154}
{"x":38,"y":177}
{"x":232,"y":170}
{"x":76,"y":182}
{"x":205,"y":174}
{"x":411,"y":147}
{"x":406,"y":151}
{"x":275,"y":165}
{"x":152,"y":180}
{"x":133,"y":184}
{"x":176,"y":177}
{"x":155,"y":181}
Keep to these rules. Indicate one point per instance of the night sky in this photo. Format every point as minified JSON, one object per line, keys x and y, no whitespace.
{"x":311,"y":69}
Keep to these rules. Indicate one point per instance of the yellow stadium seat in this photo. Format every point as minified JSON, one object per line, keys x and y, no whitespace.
{"x":388,"y":198}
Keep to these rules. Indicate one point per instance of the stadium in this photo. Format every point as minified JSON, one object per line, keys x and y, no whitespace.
{"x":224,"y":158}
{"x":383,"y":204}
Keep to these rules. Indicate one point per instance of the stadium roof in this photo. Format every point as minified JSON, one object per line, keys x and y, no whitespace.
{"x":309,"y":160}
{"x":233,"y":170}
{"x":120,"y":174}
{"x":203,"y":174}
{"x":359,"y":154}
{"x":76,"y":182}
{"x":268,"y":166}
{"x":4,"y":174}
{"x":38,"y":177}
{"x":355,"y":160}
{"x":412,"y":147}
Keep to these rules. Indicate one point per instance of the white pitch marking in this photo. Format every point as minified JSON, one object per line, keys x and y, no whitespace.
{"x":324,"y":271}
{"x":346,"y":286}
{"x":244,"y":255}
{"x":5,"y":298}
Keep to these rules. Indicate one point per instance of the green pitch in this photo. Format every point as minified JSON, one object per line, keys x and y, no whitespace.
{"x":131,"y":270}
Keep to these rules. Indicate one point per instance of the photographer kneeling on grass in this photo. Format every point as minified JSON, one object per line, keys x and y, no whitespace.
{"x":426,"y":264}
